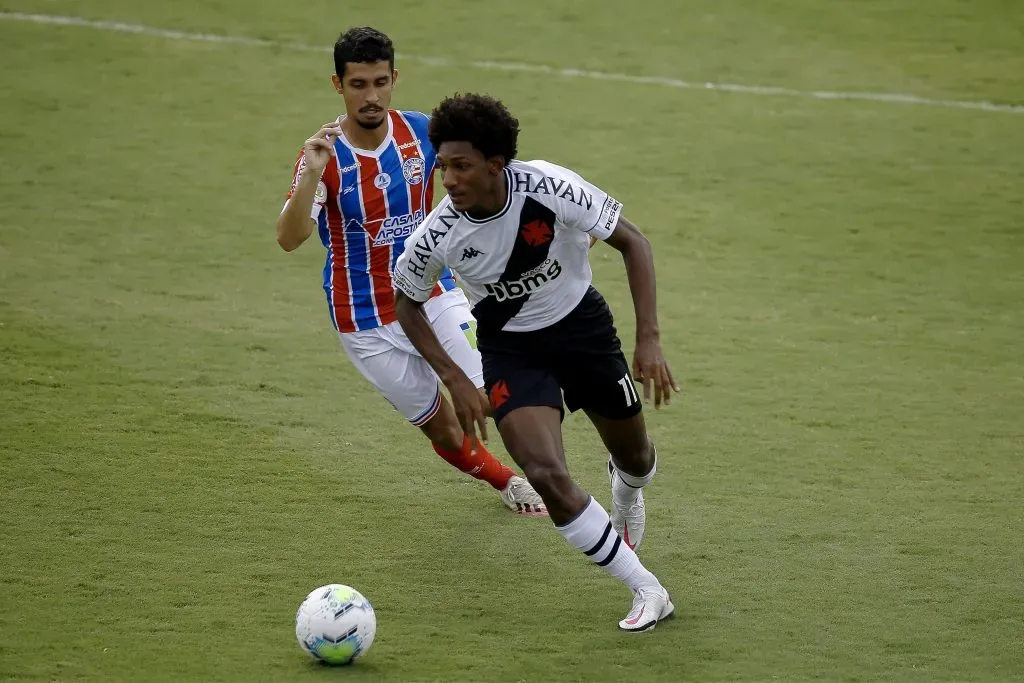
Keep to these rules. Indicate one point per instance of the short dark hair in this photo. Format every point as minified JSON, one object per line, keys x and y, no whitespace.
{"x":480,"y":120}
{"x":364,"y":45}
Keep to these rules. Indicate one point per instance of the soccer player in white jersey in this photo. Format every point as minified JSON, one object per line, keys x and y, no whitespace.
{"x":364,"y":182}
{"x":517,"y":234}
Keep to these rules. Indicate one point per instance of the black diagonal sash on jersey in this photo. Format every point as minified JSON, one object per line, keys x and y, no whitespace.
{"x":492,"y":314}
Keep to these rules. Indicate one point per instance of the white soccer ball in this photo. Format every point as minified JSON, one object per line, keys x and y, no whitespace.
{"x":335,"y":624}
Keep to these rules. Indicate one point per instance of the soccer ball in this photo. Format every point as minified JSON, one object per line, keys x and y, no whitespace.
{"x":335,"y":624}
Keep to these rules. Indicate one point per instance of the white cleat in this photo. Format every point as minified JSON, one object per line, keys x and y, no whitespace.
{"x":628,"y":520}
{"x":519,"y":497}
{"x":650,"y":605}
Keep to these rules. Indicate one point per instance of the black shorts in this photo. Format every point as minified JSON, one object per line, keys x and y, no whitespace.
{"x":580,"y":356}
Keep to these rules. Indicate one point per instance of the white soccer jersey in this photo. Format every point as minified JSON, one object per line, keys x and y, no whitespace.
{"x":524,"y":268}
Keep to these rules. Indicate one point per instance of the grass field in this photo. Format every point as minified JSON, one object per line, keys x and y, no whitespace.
{"x":186,"y":452}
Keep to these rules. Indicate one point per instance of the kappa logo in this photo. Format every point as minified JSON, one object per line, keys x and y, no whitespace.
{"x":537,"y":233}
{"x":470,"y":252}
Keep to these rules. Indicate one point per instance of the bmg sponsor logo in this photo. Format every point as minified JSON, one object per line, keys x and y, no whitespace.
{"x":528,"y":283}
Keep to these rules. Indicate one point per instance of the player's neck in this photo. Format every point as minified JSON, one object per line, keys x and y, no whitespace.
{"x":495,"y":203}
{"x":364,"y":138}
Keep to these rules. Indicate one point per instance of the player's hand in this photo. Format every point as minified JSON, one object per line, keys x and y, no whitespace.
{"x":651,"y":369}
{"x":471,"y":408}
{"x":319,"y":149}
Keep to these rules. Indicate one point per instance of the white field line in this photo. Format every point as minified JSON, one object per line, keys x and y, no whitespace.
{"x":888,"y":98}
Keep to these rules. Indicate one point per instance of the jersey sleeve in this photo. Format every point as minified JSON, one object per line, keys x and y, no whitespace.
{"x":579,"y":204}
{"x":319,"y":197}
{"x":419,"y":267}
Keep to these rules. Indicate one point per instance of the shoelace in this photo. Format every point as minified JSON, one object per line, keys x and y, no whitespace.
{"x":513,"y":491}
{"x":634,"y":510}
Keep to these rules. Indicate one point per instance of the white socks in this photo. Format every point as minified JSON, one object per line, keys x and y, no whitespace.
{"x":592,"y":533}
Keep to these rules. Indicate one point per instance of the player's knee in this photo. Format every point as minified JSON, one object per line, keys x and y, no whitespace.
{"x":549,"y":478}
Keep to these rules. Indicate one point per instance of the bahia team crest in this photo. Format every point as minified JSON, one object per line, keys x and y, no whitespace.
{"x":412,"y":169}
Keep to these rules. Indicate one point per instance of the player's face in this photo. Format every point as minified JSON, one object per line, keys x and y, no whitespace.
{"x":470,"y":179}
{"x":367,"y":88}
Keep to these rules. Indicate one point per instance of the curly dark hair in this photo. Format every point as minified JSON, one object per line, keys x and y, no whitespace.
{"x":480,"y":120}
{"x":364,"y":45}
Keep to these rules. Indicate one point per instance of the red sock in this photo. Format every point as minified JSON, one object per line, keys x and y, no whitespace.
{"x":482,"y":466}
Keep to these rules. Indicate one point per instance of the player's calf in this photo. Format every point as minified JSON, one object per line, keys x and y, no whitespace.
{"x":629,"y":444}
{"x":443,"y":428}
{"x":451,"y":444}
{"x":628,"y":478}
{"x":532,"y":436}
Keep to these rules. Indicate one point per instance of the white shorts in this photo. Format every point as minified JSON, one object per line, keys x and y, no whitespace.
{"x":389,"y":361}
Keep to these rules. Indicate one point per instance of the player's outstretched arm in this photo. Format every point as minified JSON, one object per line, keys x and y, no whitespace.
{"x":649,"y":364}
{"x":470,"y":406}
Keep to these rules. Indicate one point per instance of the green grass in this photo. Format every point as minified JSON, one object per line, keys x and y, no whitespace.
{"x":185,"y":452}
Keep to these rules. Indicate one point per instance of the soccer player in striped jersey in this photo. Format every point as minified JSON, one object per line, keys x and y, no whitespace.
{"x":364,"y":182}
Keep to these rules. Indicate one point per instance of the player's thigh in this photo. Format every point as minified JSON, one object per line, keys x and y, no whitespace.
{"x":514,"y":380}
{"x":532,"y":435}
{"x":404,"y":379}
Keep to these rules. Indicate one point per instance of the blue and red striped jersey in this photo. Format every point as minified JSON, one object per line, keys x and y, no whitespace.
{"x":367,"y":203}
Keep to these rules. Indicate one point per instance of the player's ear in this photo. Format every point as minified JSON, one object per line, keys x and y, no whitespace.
{"x":394,"y":77}
{"x":495,"y":165}
{"x":336,"y":80}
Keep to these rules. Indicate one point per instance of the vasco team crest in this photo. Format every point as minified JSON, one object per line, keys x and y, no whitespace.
{"x":412,"y":169}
